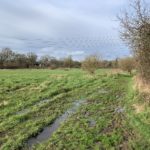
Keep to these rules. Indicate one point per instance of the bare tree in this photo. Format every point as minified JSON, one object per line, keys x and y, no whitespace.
{"x":91,"y":63}
{"x":45,"y":61}
{"x":20,"y":61}
{"x":7,"y":57}
{"x":127,"y":64}
{"x":68,"y":62}
{"x":31,"y":59}
{"x":136,"y":33}
{"x":115,"y":63}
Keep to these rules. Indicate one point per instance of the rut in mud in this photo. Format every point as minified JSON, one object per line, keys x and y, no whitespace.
{"x":49,"y":130}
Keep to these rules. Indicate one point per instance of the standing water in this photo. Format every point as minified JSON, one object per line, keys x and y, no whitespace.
{"x":49,"y":130}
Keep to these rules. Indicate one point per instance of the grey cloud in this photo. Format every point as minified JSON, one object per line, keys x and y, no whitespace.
{"x":65,"y":27}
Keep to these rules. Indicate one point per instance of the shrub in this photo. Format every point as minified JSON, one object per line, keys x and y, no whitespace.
{"x":136,"y":32}
{"x":127,"y":64}
{"x":91,"y":63}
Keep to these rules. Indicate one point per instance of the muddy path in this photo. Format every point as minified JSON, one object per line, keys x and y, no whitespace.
{"x":49,"y":130}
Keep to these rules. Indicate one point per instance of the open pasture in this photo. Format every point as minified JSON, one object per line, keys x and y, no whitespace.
{"x":32,"y":100}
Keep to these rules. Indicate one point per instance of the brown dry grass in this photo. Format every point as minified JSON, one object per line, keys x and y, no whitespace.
{"x":56,"y":76}
{"x":141,"y":86}
{"x":139,"y":107}
{"x":116,"y":71}
{"x":4,"y":103}
{"x":113,"y":72}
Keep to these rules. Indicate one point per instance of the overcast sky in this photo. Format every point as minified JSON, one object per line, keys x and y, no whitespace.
{"x":62,"y":27}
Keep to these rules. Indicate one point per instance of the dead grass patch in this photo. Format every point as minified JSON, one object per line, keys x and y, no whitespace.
{"x":139,"y":108}
{"x":4,"y":103}
{"x":141,"y":86}
{"x":56,"y":76}
{"x":114,"y":71}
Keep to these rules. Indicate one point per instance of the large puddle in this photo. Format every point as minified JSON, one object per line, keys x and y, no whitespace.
{"x":49,"y":130}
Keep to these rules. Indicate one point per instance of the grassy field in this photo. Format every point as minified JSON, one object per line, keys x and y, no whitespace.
{"x":113,"y":116}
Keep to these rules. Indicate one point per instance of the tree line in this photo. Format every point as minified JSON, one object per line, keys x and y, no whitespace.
{"x":12,"y":60}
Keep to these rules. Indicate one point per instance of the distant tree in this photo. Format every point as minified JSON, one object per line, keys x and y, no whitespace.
{"x":127,"y":64}
{"x":105,"y":64}
{"x":76,"y":64}
{"x":45,"y":61}
{"x":7,"y":57}
{"x":2,"y":59}
{"x":91,"y":63}
{"x":68,"y":62}
{"x":31,"y":59}
{"x":115,"y":63}
{"x":56,"y":63}
{"x":20,"y":61}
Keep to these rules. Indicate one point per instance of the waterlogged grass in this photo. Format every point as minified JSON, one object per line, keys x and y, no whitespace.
{"x":99,"y":124}
{"x":32,"y":99}
{"x":24,"y":90}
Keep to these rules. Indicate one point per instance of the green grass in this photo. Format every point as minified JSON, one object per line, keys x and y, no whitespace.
{"x":106,"y":121}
